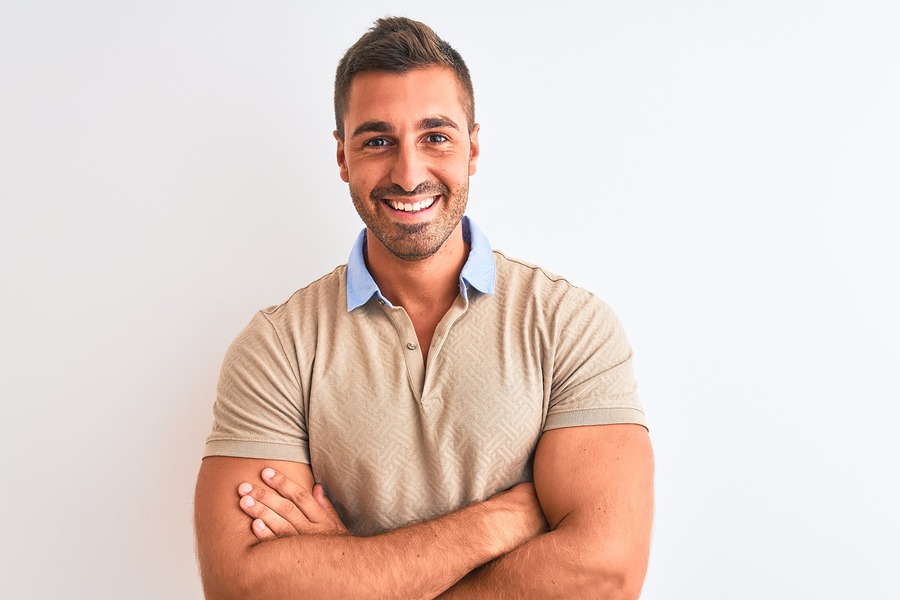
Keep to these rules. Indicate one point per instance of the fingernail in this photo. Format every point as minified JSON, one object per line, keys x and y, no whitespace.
{"x":245,"y":488}
{"x":268,"y":473}
{"x":248,"y":501}
{"x":259,"y":525}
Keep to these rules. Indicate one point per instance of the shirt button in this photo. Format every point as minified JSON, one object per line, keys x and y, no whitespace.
{"x":411,"y":345}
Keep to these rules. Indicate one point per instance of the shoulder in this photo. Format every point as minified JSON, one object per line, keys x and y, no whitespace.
{"x":327,"y":294}
{"x":327,"y":288}
{"x":526,"y":282}
{"x":514,"y":271}
{"x":562,"y":314}
{"x":297,"y":320}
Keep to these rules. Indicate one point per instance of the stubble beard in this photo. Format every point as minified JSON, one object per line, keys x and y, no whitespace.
{"x":412,"y":241}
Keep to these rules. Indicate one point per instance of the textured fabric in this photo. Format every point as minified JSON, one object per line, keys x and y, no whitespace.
{"x":478,"y":272}
{"x":394,"y":440}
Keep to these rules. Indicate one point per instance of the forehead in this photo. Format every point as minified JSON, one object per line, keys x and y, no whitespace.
{"x":404,"y":97}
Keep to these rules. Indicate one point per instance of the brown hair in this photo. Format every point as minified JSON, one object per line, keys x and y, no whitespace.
{"x":398,"y":45}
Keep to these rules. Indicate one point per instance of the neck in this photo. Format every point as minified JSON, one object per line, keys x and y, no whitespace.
{"x":432,"y":282}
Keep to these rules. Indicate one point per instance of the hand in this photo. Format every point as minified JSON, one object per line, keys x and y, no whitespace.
{"x":288,"y":509}
{"x":526,"y":518}
{"x":525,"y":494}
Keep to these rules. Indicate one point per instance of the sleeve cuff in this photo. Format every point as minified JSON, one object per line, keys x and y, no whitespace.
{"x":595,"y":416}
{"x":252,"y":449}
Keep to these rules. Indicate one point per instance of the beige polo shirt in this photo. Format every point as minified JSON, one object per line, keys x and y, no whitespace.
{"x":395,"y":440}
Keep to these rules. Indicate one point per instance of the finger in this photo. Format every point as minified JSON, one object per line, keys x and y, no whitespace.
{"x":273,"y":500}
{"x":278,"y":512}
{"x":325,"y":503}
{"x":261,"y":531}
{"x":271,"y":521}
{"x":301,"y":497}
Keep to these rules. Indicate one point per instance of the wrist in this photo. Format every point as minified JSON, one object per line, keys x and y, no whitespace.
{"x":510,"y":521}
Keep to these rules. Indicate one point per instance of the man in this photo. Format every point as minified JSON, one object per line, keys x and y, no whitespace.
{"x":377,"y":435}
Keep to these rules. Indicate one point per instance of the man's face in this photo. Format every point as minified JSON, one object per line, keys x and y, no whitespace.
{"x":407,"y":155}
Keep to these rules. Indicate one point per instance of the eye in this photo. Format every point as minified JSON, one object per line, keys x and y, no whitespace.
{"x":437,"y":138}
{"x":378,"y":142}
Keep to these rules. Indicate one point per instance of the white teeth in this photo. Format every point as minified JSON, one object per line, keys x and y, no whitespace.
{"x":422,"y":205}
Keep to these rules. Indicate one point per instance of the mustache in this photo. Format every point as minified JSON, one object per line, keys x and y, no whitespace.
{"x":430,"y":188}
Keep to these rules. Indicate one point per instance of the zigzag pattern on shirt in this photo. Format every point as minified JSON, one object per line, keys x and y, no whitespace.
{"x":390,"y":453}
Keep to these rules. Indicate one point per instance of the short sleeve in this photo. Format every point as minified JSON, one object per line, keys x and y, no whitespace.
{"x":593,"y":382}
{"x":259,"y":408}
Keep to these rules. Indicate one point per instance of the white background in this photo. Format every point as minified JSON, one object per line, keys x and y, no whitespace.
{"x":724,"y":174}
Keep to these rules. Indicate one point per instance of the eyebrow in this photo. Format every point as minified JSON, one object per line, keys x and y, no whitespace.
{"x":385,"y":127}
{"x":373,"y":127}
{"x":438,"y":122}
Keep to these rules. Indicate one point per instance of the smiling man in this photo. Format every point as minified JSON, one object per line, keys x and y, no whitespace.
{"x":432,"y":418}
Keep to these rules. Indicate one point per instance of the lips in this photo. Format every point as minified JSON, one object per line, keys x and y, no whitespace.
{"x":411,"y":206}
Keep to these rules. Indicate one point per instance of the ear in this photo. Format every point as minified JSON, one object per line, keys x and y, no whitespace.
{"x":342,"y":158}
{"x":474,"y":149}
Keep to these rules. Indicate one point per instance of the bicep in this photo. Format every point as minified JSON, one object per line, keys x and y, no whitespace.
{"x":222,"y":529}
{"x":597,"y":481}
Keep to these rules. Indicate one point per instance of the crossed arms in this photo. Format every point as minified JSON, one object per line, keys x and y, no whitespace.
{"x":593,"y":485}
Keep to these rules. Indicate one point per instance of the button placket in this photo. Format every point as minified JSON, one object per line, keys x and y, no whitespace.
{"x":415,"y":365}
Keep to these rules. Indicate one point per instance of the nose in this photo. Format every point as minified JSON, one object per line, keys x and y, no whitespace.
{"x":409,"y":168}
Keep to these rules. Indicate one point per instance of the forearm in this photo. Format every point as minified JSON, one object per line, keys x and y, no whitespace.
{"x":418,"y":561}
{"x":558,"y":564}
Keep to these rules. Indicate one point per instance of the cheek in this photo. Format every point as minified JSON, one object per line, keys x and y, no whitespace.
{"x":366,"y":173}
{"x":451,"y":166}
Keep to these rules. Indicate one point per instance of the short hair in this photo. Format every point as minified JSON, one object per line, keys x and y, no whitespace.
{"x":398,"y":45}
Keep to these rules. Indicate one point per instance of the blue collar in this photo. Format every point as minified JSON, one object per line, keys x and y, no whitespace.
{"x":478,"y":272}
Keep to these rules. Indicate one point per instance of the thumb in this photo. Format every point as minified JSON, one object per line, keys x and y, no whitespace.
{"x":321,"y":498}
{"x":325,"y":503}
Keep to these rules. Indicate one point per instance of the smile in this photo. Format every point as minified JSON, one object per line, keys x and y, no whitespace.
{"x":414,"y":207}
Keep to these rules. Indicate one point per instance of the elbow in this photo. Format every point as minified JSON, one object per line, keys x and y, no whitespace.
{"x":615,"y":578}
{"x":231,"y":588}
{"x":229,"y":580}
{"x":614,"y":584}
{"x":216,"y":586}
